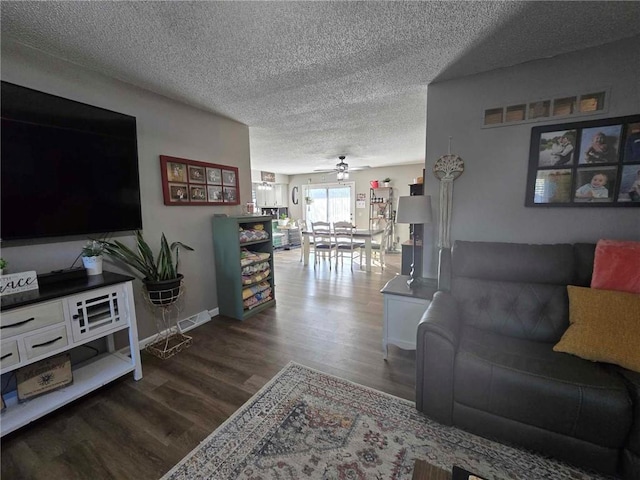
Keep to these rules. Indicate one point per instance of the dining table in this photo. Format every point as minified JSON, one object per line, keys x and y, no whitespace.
{"x":365,"y":234}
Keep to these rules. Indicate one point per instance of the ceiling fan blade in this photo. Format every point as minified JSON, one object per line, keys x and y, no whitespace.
{"x":363,"y":167}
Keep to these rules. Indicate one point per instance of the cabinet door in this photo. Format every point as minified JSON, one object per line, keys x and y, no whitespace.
{"x":281,"y":191}
{"x":270,"y":197}
{"x":260,"y":196}
{"x":97,"y":312}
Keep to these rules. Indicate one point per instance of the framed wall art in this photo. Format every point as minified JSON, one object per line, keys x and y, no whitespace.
{"x":582,"y":164}
{"x":189,"y":182}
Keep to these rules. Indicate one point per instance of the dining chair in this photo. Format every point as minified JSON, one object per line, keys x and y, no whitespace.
{"x":323,"y":242}
{"x":302,"y":227}
{"x":343,"y":237}
{"x":378,"y":249}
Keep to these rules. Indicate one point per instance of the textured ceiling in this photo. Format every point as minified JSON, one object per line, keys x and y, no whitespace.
{"x":312,"y":80}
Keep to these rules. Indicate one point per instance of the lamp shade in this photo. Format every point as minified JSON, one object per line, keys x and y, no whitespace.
{"x":415,"y":209}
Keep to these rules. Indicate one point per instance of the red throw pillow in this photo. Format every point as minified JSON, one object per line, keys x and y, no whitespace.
{"x":616,"y":266}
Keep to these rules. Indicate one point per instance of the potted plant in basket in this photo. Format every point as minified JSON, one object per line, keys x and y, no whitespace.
{"x":160,"y":275}
{"x":92,"y":257}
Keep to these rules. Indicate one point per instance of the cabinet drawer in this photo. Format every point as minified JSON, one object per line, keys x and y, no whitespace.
{"x":9,"y":354}
{"x":27,"y":319}
{"x":44,"y":342}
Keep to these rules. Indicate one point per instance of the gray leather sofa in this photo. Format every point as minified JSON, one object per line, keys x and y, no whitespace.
{"x":485,"y":359}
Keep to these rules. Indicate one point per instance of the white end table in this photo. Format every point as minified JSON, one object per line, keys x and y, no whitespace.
{"x":403,"y":309}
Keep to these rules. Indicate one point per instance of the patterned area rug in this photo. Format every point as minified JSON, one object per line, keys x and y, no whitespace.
{"x":305,"y":424}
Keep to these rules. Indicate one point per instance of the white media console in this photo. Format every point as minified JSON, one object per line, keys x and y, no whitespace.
{"x":58,"y":317}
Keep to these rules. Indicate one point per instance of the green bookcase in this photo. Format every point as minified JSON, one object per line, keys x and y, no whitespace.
{"x":227,"y":248}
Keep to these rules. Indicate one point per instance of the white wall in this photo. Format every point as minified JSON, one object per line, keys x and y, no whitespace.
{"x":401,"y":176}
{"x":488,"y":203}
{"x":165,"y":127}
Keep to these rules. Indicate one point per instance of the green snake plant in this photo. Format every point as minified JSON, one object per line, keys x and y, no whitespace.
{"x":142,"y":258}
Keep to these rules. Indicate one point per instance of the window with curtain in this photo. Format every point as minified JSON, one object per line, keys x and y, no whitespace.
{"x":329,"y":202}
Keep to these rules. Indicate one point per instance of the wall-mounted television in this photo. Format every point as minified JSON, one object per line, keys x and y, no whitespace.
{"x":67,"y":168}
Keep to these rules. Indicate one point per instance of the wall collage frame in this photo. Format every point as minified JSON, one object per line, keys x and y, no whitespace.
{"x":189,"y":182}
{"x":582,"y":164}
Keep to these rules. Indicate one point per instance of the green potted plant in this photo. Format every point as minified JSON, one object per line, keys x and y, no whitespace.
{"x":92,"y":257}
{"x":3,"y":265}
{"x":386,"y":182}
{"x":283,"y":220}
{"x":160,"y":274}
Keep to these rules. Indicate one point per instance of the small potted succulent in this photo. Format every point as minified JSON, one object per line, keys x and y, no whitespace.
{"x":386,"y":182}
{"x":160,"y":275}
{"x":283,"y":220}
{"x":92,"y":257}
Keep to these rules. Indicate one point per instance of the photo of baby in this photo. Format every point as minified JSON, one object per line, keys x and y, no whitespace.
{"x":600,"y":144}
{"x":596,"y":185}
{"x":630,"y":184}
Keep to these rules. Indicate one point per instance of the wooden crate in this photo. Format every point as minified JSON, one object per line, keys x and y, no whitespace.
{"x":44,"y":376}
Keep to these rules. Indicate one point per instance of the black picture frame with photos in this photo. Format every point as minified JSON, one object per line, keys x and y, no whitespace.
{"x":594,"y":163}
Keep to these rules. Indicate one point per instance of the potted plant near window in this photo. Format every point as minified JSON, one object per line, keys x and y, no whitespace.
{"x":92,"y":257}
{"x":160,"y":275}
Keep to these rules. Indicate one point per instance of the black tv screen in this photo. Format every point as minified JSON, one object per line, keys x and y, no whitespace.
{"x":68,"y":168}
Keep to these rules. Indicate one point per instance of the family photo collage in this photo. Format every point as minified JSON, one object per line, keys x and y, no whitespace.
{"x":585,"y":163}
{"x":188,"y":182}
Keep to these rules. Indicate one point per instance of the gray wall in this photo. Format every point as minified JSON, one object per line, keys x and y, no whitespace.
{"x":488,"y":199}
{"x":165,"y":127}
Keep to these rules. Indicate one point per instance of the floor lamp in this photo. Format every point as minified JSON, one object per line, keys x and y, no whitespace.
{"x":415,"y":210}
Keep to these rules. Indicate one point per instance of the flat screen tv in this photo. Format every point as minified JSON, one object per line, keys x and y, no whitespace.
{"x":67,"y":168}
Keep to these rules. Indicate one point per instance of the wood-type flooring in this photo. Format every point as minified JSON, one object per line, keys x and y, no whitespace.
{"x":330,"y":320}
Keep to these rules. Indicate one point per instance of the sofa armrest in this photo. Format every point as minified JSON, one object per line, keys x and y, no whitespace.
{"x":631,"y":453}
{"x":437,"y":342}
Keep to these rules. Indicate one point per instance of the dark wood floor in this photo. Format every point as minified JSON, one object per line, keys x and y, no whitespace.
{"x":328,"y":320}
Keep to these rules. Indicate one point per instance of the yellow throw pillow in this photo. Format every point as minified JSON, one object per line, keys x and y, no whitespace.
{"x":604,"y":327}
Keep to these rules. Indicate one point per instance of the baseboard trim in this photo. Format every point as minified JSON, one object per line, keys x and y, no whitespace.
{"x":183,"y":326}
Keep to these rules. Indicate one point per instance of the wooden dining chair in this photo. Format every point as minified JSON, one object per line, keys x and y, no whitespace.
{"x":345,"y":244}
{"x":302,"y":227}
{"x":323,"y":243}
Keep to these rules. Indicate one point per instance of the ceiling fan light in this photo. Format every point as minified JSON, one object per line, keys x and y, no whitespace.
{"x":345,"y":176}
{"x":341,"y":175}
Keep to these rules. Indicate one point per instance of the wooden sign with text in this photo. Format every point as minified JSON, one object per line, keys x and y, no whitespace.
{"x":18,"y":282}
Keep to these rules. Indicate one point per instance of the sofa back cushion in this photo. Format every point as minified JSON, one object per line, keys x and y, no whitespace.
{"x":514,"y":289}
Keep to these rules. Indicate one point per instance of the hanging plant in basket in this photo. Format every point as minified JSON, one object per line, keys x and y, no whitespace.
{"x":160,"y":274}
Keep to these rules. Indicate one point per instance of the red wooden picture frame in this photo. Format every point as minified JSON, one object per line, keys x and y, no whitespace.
{"x":189,"y":182}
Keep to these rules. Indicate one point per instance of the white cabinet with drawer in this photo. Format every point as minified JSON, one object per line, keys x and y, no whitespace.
{"x":20,"y":320}
{"x":96,"y":308}
{"x":9,"y":354}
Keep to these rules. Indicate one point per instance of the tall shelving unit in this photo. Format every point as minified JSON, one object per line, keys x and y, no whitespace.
{"x":381,"y":208}
{"x":227,"y":252}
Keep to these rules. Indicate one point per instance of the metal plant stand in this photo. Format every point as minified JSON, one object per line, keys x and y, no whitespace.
{"x":168,"y":341}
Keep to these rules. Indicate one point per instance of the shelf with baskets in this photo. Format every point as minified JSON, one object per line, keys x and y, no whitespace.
{"x":381,"y":211}
{"x":243,"y":251}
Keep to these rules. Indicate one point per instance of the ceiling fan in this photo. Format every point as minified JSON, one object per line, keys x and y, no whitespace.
{"x":342,"y":169}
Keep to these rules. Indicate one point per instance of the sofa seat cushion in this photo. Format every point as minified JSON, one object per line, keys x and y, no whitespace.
{"x":528,"y":382}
